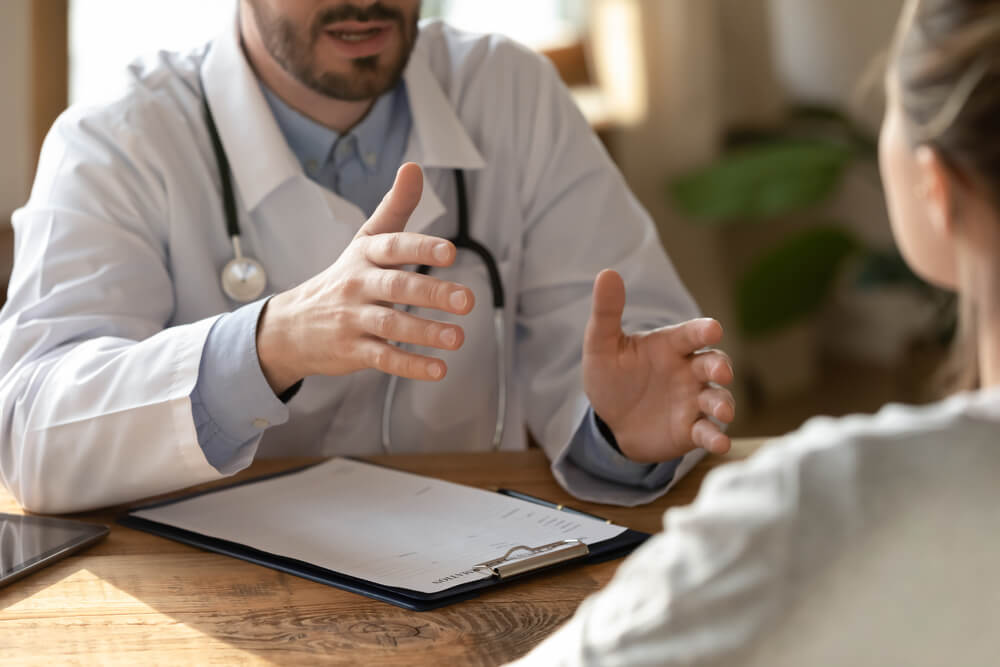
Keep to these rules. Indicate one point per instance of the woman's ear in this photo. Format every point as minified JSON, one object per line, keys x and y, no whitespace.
{"x":937,"y":191}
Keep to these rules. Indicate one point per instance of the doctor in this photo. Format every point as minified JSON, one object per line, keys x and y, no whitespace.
{"x":139,"y":350}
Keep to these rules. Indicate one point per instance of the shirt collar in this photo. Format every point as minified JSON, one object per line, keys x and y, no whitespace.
{"x":372,"y":131}
{"x":310,"y":141}
{"x":313,"y":142}
{"x":259,"y":154}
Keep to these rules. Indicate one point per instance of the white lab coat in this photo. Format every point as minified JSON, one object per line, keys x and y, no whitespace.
{"x":119,"y":249}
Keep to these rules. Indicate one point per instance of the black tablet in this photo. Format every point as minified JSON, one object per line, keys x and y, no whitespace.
{"x":29,"y":543}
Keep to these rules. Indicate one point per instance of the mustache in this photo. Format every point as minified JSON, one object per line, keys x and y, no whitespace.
{"x":349,"y":12}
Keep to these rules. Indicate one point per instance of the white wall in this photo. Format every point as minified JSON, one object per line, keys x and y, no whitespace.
{"x":822,"y":49}
{"x":16,"y":159}
{"x":106,"y":35}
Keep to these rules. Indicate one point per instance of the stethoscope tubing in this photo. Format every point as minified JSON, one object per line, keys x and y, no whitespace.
{"x":462,"y":241}
{"x":234,"y":279}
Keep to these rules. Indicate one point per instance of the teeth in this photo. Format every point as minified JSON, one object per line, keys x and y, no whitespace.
{"x":355,"y":36}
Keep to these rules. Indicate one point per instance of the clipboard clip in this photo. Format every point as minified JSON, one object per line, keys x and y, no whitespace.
{"x":533,"y":558}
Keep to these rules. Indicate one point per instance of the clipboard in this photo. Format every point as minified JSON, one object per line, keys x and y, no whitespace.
{"x":510,"y":564}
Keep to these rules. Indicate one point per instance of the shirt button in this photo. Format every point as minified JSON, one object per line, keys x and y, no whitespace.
{"x":261,"y":423}
{"x":311,"y":166}
{"x":371,"y":159}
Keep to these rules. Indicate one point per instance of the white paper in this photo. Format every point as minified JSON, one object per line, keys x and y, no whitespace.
{"x":377,"y":524}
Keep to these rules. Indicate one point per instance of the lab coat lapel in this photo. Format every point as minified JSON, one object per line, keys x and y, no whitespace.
{"x":263,"y":164}
{"x":259,"y":156}
{"x":342,"y":210}
{"x":438,"y":141}
{"x":428,"y":210}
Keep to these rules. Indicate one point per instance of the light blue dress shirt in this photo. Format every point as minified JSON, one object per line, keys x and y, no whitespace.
{"x":360,"y":166}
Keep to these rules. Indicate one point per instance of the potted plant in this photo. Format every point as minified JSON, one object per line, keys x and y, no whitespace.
{"x":780,"y":180}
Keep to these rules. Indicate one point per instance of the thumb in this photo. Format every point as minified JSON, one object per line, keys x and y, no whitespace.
{"x":605,"y":326}
{"x":398,"y":204}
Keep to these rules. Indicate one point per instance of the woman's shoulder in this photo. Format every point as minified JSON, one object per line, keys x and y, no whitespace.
{"x":834,"y":482}
{"x":969,"y":419}
{"x":960,"y":412}
{"x":809,"y":494}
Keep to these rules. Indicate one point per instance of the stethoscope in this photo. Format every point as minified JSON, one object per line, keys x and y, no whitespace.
{"x":244,"y":279}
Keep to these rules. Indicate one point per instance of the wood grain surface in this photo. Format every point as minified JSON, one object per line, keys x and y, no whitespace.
{"x":137,"y":599}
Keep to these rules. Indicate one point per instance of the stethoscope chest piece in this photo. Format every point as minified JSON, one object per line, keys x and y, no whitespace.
{"x":243,"y":278}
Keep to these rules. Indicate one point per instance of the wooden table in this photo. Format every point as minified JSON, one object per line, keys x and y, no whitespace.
{"x":138,"y":599}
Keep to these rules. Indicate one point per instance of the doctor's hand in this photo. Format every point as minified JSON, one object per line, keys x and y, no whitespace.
{"x":341,"y":320}
{"x":656,"y":389}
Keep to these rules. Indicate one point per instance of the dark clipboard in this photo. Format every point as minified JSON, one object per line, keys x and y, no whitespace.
{"x":617,"y":547}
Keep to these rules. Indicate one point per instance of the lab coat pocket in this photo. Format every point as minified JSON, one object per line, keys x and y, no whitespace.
{"x":459,"y":412}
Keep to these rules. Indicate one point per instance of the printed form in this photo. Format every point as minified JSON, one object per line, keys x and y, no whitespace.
{"x":381,"y":525}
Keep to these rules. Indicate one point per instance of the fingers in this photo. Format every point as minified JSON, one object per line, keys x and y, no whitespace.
{"x":689,"y":337}
{"x":395,"y":325}
{"x":413,"y":289}
{"x":384,"y":357}
{"x":605,"y":325}
{"x":408,"y":248}
{"x":713,"y":366}
{"x":398,"y":204}
{"x":718,"y":403}
{"x":707,"y":435}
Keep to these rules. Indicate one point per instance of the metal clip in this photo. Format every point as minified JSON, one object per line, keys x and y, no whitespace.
{"x":536,"y":558}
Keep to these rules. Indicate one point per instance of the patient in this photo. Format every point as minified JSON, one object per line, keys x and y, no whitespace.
{"x":865,"y":540}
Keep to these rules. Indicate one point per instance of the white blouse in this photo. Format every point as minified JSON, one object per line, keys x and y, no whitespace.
{"x":867,"y":540}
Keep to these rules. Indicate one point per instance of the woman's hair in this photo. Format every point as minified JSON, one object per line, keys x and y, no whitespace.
{"x":947,"y":65}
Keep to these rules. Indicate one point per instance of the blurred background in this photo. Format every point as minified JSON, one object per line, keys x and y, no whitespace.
{"x":747,"y":128}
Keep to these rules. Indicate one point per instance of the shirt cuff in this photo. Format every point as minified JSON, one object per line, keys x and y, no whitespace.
{"x":232,"y":403}
{"x":591,"y":451}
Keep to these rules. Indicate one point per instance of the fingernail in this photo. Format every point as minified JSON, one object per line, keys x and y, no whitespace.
{"x":458,"y":300}
{"x":442,"y":252}
{"x":435,"y":371}
{"x":448,"y":337}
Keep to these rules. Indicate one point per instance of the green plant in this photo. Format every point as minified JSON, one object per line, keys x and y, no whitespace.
{"x":766,"y":176}
{"x":791,"y":280}
{"x":762,"y":182}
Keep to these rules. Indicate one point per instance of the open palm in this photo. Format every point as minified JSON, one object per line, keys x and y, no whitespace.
{"x":655,"y":389}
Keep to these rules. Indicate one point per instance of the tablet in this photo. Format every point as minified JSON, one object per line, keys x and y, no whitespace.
{"x":29,"y":543}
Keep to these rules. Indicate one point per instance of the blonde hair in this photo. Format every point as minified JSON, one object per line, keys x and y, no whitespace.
{"x":947,"y":62}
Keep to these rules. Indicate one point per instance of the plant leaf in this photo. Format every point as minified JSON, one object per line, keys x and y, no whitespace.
{"x":792,"y":280}
{"x":763,"y":181}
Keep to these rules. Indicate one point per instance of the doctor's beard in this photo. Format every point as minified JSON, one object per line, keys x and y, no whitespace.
{"x":293,"y":47}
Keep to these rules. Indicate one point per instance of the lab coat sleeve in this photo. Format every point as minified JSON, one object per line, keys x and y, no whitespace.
{"x":94,"y":390}
{"x":579,"y":212}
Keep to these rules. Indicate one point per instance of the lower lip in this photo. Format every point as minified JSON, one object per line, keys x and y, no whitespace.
{"x":365,"y":48}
